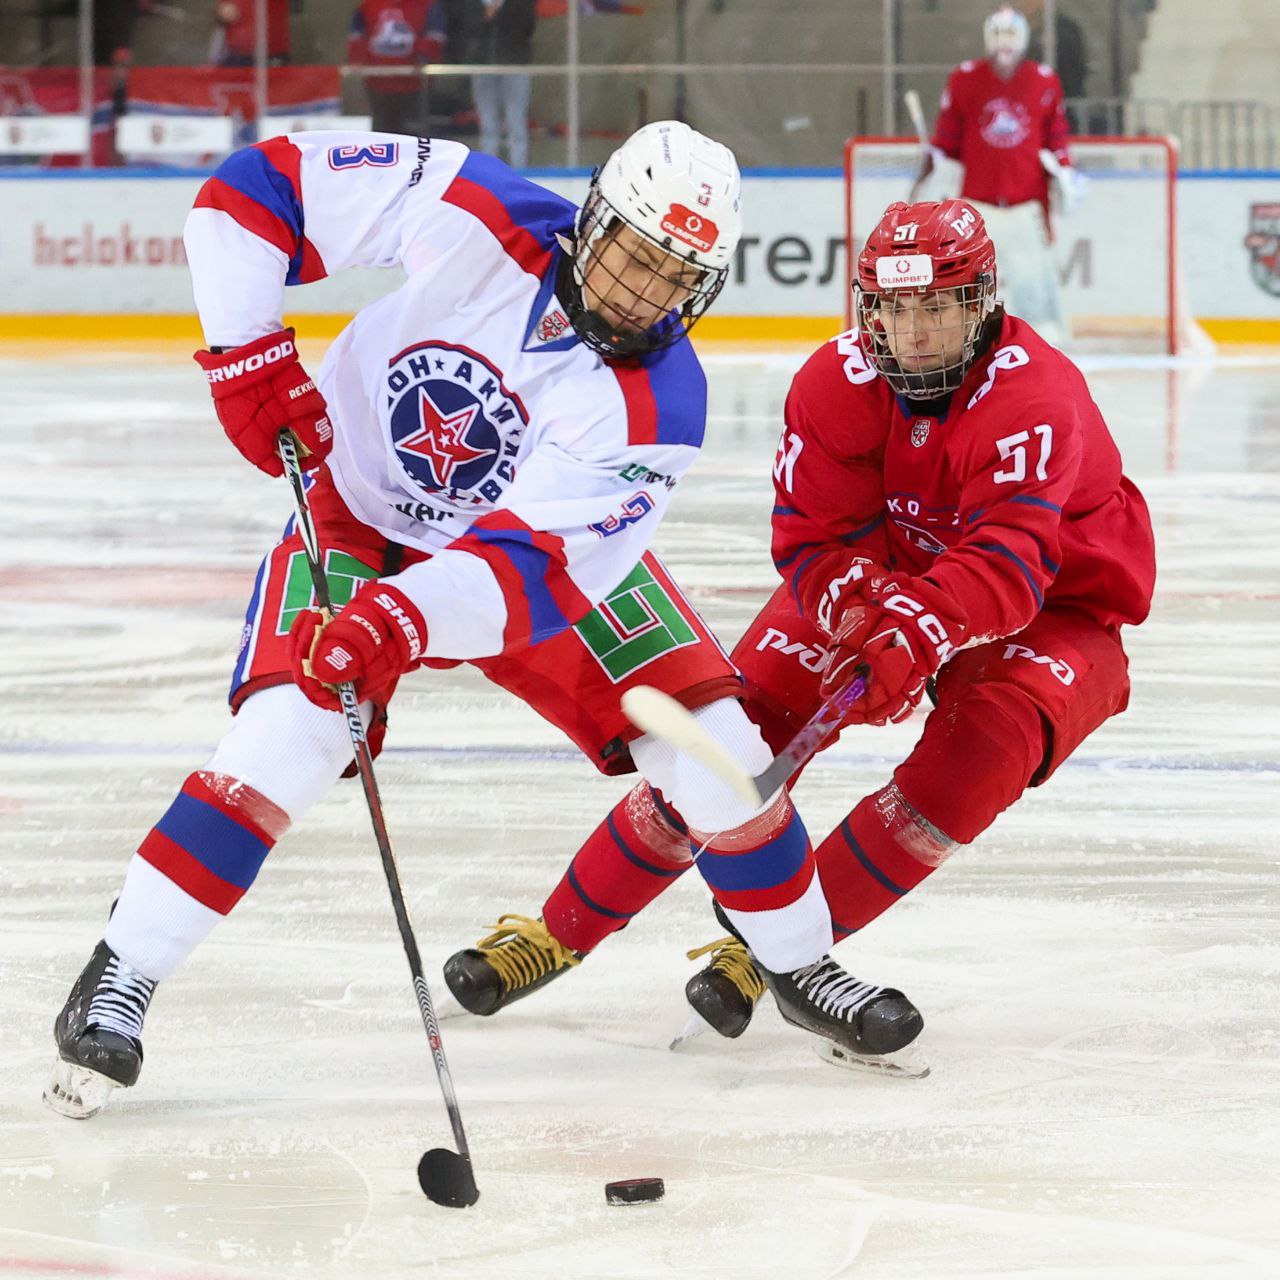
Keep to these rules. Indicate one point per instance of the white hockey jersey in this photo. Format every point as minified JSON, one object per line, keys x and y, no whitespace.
{"x":469,"y":420}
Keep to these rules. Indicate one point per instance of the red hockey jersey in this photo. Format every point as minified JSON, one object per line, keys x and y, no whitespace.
{"x":396,"y":31}
{"x":239,"y":20}
{"x":997,"y":128}
{"x":1011,"y":498}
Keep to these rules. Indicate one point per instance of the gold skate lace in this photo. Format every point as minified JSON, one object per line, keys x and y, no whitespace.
{"x":732,"y":959}
{"x":522,"y":949}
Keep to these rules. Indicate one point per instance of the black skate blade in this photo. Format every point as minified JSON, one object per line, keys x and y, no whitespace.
{"x":446,"y":1178}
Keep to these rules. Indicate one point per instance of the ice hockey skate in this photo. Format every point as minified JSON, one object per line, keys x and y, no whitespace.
{"x":99,"y":1035}
{"x":725,"y":993}
{"x":862,"y":1026}
{"x":517,"y":958}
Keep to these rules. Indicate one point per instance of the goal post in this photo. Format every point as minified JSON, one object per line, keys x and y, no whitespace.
{"x":1116,"y":254}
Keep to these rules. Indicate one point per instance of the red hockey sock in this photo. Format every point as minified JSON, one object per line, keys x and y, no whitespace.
{"x":632,"y":856}
{"x":864,"y":867}
{"x":968,"y":767}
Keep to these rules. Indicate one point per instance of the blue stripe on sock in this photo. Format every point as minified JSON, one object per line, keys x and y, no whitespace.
{"x":872,"y":870}
{"x":217,"y":842}
{"x":770,"y":865}
{"x":634,"y":858}
{"x":595,"y":906}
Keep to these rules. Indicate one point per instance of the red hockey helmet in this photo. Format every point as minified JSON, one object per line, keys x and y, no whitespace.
{"x":925,"y":286}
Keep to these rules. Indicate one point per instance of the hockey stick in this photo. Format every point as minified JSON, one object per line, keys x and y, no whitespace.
{"x":656,"y":713}
{"x":445,"y":1176}
{"x":916,"y":111}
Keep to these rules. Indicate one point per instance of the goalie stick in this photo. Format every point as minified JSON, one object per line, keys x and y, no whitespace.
{"x":916,"y":111}
{"x":445,"y":1176}
{"x":657,"y":713}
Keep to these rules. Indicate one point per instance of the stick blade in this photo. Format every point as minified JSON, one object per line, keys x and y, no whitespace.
{"x":446,"y":1178}
{"x":656,"y":713}
{"x":915,"y":110}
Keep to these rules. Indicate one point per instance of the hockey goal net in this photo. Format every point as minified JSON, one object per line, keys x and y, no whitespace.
{"x":1116,"y":254}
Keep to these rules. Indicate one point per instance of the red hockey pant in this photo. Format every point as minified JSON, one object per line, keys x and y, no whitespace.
{"x":1008,"y":713}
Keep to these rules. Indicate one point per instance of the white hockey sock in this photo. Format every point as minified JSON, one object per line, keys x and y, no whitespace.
{"x":279,"y":757}
{"x":757,"y":859}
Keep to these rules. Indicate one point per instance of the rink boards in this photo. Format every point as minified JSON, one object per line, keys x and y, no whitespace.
{"x":108,"y":243}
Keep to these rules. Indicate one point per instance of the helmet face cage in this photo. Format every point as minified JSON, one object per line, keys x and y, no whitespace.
{"x":881,"y":311}
{"x":678,"y":304}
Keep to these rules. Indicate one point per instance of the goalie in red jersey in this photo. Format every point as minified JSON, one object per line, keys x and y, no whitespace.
{"x":1002,"y":120}
{"x":951,"y":515}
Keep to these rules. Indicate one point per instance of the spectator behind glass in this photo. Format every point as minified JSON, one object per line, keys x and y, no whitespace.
{"x":113,"y":22}
{"x":387,"y":32}
{"x":501,"y":31}
{"x":235,"y":41}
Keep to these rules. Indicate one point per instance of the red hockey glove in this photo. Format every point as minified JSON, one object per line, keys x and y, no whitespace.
{"x":846,"y":584}
{"x":904,"y":631}
{"x":377,"y":638}
{"x":258,"y":390}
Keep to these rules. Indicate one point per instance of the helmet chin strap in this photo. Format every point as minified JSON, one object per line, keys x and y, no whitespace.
{"x":596,"y":223}
{"x":592,"y":327}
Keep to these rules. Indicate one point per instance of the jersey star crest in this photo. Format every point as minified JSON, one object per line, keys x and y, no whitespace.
{"x":442,"y":438}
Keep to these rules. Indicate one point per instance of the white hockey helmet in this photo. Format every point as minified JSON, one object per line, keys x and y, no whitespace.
{"x":680,"y":192}
{"x":1005,"y":34}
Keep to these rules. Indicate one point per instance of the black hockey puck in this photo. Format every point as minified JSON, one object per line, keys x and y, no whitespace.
{"x":634,"y":1190}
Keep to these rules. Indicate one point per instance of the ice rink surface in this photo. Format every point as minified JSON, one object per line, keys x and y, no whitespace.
{"x":1099,"y":974}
